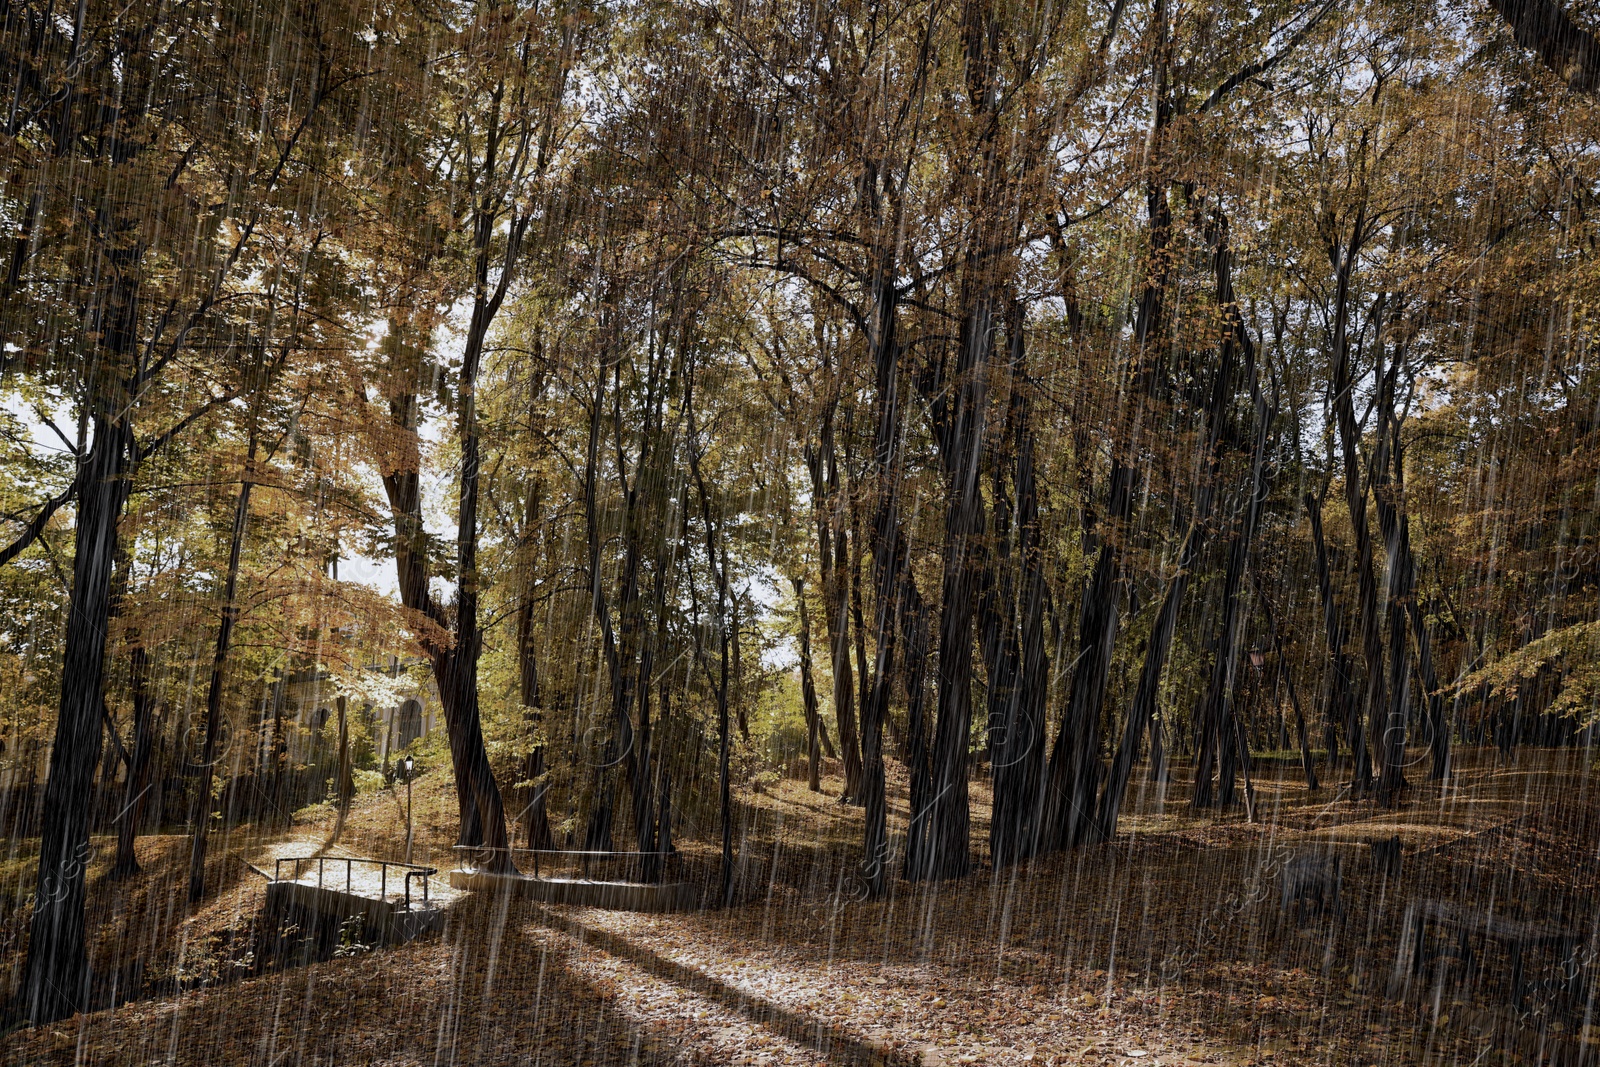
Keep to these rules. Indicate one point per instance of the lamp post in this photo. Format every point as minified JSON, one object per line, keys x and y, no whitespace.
{"x":406,"y":767}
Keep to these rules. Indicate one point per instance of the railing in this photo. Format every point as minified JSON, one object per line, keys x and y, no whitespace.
{"x":412,"y":870}
{"x":652,"y":866}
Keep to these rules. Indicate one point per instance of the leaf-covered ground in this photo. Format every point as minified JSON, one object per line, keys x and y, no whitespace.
{"x":1168,"y":946}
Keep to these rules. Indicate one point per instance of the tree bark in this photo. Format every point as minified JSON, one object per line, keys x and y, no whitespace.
{"x":719,"y":575}
{"x":1074,"y":770}
{"x":1377,"y":699}
{"x":1301,"y":730}
{"x":1341,"y":698}
{"x":137,"y":791}
{"x":1014,"y":639}
{"x":887,"y":560}
{"x":833,"y":560}
{"x":1217,"y":734}
{"x":1141,"y":714}
{"x":808,"y":691}
{"x":55,"y":974}
{"x":961,"y":448}
{"x":536,"y":819}
{"x":1222,"y":741}
{"x":219,"y":663}
{"x":1570,"y":52}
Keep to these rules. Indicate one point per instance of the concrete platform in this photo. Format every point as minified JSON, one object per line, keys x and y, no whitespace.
{"x":618,"y":896}
{"x":317,"y":908}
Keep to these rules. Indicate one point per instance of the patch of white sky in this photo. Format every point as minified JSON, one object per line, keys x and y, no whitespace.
{"x":43,"y":439}
{"x":438,"y":511}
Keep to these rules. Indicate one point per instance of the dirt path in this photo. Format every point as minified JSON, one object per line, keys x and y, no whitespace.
{"x":1166,"y":947}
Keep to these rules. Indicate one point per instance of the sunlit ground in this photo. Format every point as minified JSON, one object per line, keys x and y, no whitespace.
{"x":1169,"y":946}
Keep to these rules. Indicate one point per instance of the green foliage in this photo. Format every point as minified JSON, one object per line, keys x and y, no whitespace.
{"x":1570,"y":655}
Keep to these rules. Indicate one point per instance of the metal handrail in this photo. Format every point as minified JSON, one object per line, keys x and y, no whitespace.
{"x":412,"y":870}
{"x":586,"y":855}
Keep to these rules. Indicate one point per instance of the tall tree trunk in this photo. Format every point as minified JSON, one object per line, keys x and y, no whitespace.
{"x":808,"y":691}
{"x":917,"y":756}
{"x":536,"y":819}
{"x":1301,"y":730}
{"x":858,"y":617}
{"x":833,"y":559}
{"x":1439,"y":729}
{"x":1217,"y":735}
{"x":1377,"y":699}
{"x":1395,"y":525}
{"x":1399,"y":588}
{"x":1141,"y":714}
{"x":345,"y":790}
{"x":1015,"y":648}
{"x":136,"y":759}
{"x":137,"y":791}
{"x":219,"y":663}
{"x":403,"y":487}
{"x":1074,"y":770}
{"x":961,"y":448}
{"x":463,"y":716}
{"x":1341,"y":696}
{"x":598,"y":837}
{"x":724,"y":785}
{"x":55,"y":974}
{"x":738,"y":673}
{"x":719,"y":574}
{"x":1222,"y":741}
{"x":887,"y":560}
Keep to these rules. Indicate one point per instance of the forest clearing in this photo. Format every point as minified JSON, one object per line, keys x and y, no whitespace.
{"x":1169,"y":946}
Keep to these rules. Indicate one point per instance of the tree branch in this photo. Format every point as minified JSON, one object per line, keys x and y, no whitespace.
{"x":31,"y":532}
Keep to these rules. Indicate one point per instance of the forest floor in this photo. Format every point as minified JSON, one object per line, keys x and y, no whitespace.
{"x":1167,"y":946}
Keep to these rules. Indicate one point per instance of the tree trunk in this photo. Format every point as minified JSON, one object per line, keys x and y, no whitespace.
{"x":345,"y":790}
{"x":833,"y":561}
{"x":961,"y":448}
{"x":808,"y":691}
{"x":136,"y":760}
{"x":457,"y":694}
{"x":1396,"y":527}
{"x":1141,"y":714}
{"x":1222,"y":742}
{"x":887,"y":560}
{"x":1377,"y":699}
{"x":1439,"y":739}
{"x":719,"y":684}
{"x":1014,"y":638}
{"x":918,"y":758}
{"x":138,"y":779}
{"x":738,"y":672}
{"x":1399,"y":587}
{"x":463,"y":716}
{"x":219,"y":663}
{"x":536,"y":820}
{"x":724,"y":786}
{"x":1341,"y":698}
{"x":1301,"y":731}
{"x":55,"y":974}
{"x":1218,"y":737}
{"x":1074,"y":771}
